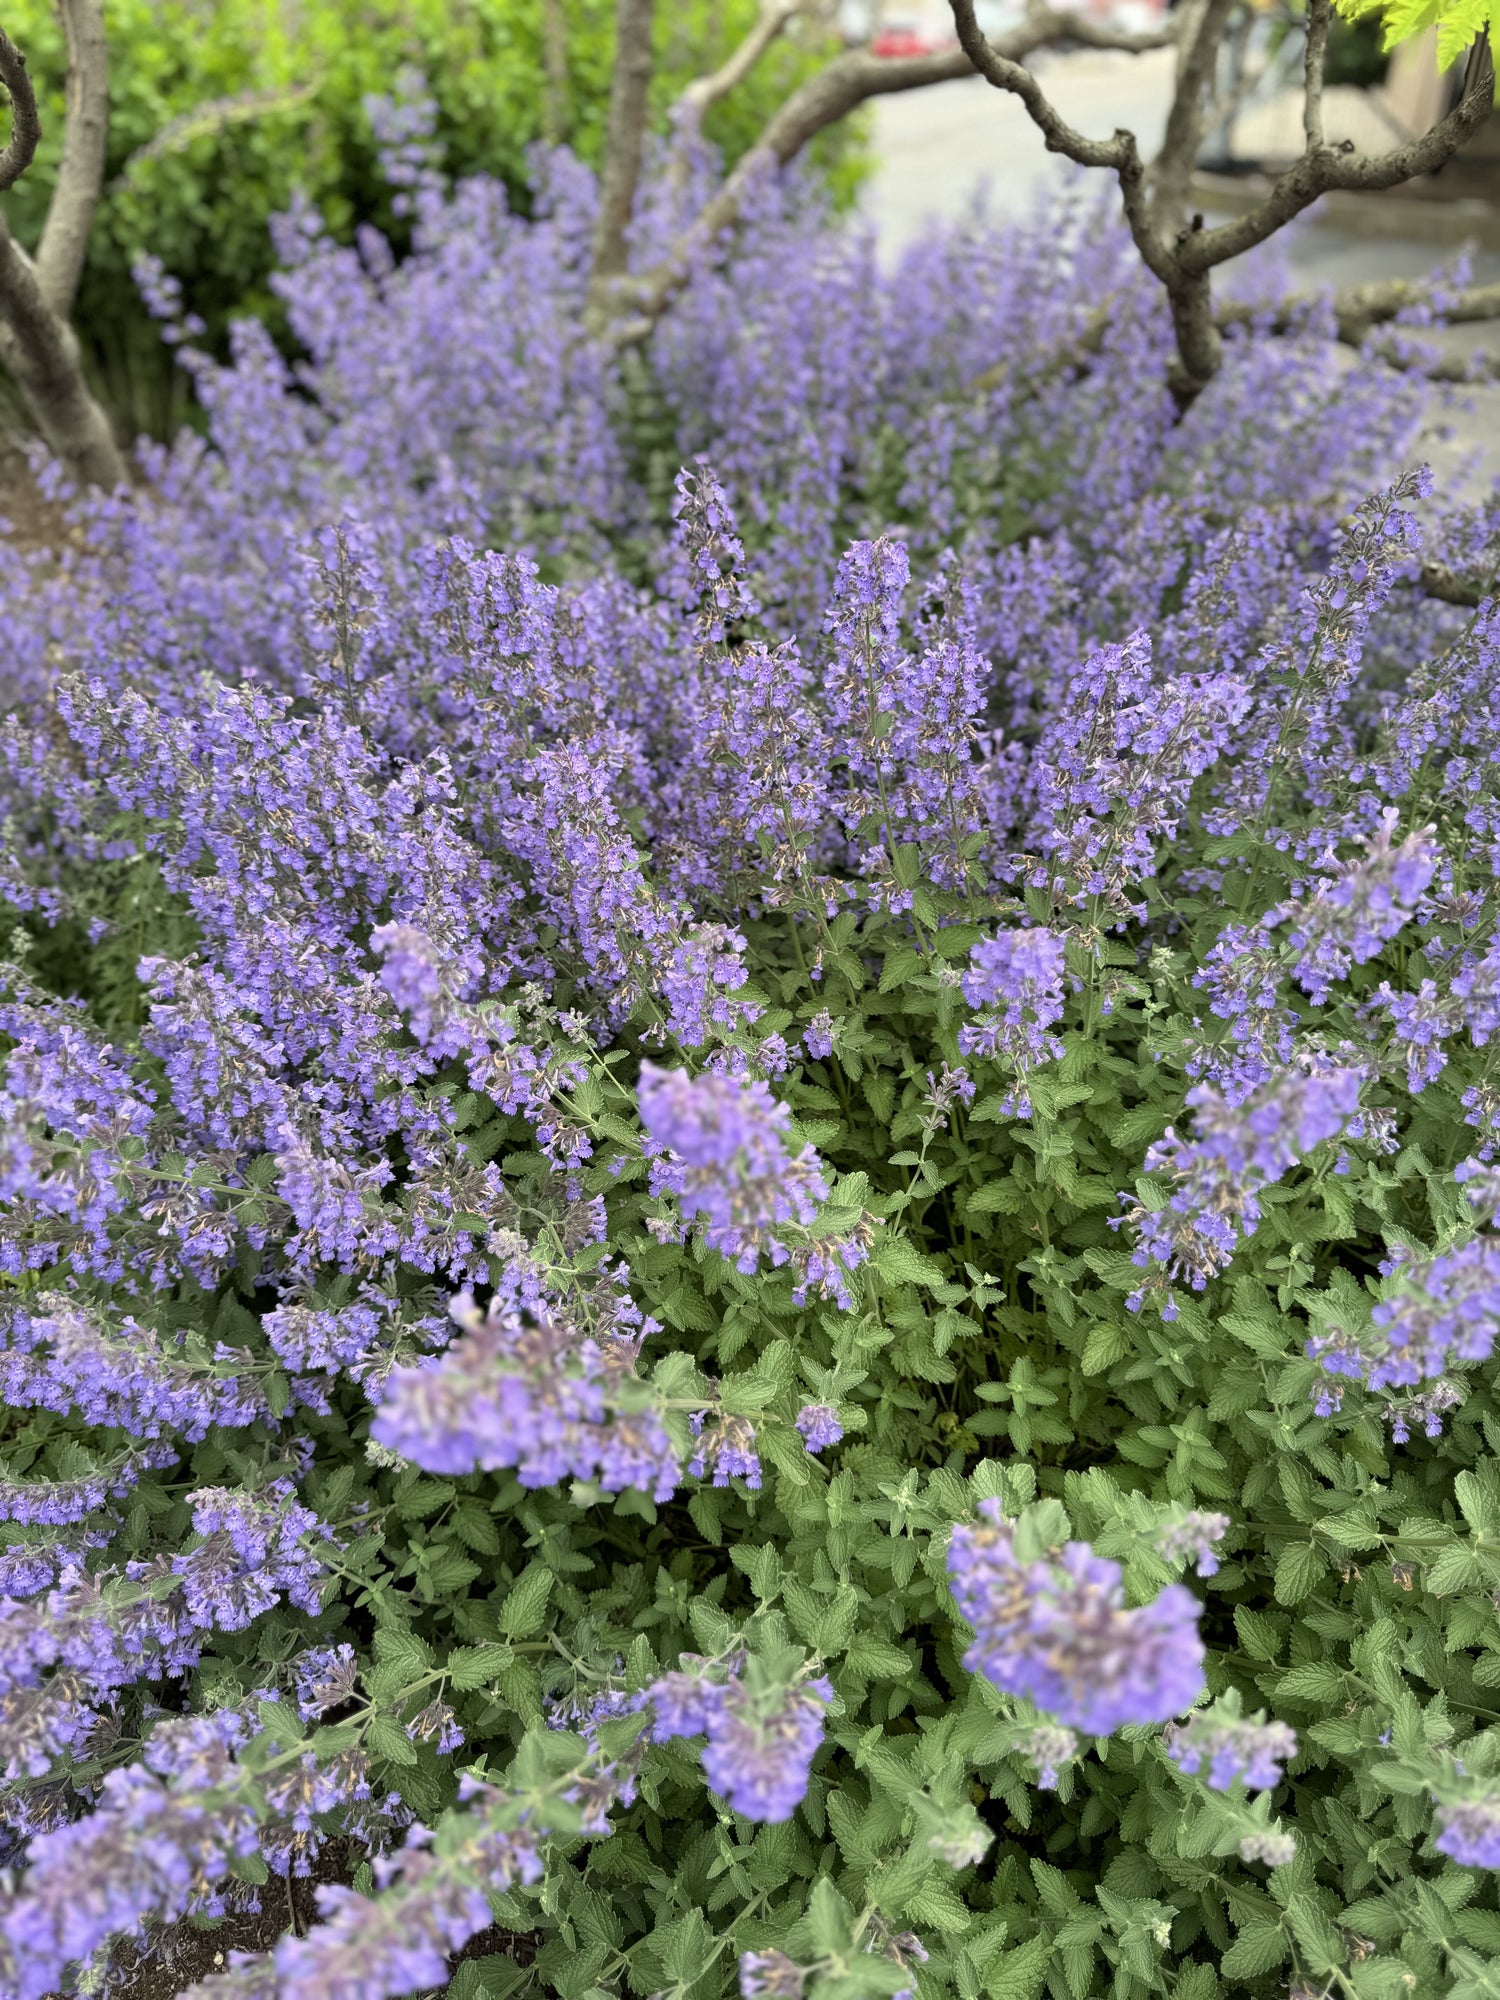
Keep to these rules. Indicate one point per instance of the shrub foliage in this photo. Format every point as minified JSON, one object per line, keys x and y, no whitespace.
{"x":220,"y":115}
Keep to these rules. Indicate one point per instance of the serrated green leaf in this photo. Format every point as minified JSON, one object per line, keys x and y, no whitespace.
{"x":1298,"y":1569}
{"x":525,"y":1607}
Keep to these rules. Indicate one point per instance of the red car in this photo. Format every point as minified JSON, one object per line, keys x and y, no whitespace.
{"x":902,"y":42}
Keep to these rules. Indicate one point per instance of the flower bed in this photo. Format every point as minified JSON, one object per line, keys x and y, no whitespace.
{"x":761,"y":1237}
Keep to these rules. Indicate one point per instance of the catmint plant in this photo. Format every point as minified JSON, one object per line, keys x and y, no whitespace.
{"x":747,"y":1104}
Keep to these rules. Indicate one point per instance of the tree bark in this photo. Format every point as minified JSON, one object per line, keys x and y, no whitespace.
{"x":25,"y":126}
{"x":555,"y":72}
{"x":41,"y":351}
{"x":629,"y":108}
{"x":80,"y":176}
{"x":706,"y":91}
{"x":1322,"y":169}
{"x":1182,"y":255}
{"x":37,"y":344}
{"x":1188,"y":118}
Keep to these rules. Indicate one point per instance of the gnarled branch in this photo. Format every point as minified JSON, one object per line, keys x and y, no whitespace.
{"x":25,"y":125}
{"x":41,"y":351}
{"x":1008,"y":72}
{"x":1362,"y":307}
{"x":1322,"y":169}
{"x":705,"y":91}
{"x":37,"y":345}
{"x":1356,"y":312}
{"x":554,"y":72}
{"x":1182,"y":257}
{"x":1187,"y":119}
{"x":1314,"y":63}
{"x":216,"y":115}
{"x":1439,"y":581}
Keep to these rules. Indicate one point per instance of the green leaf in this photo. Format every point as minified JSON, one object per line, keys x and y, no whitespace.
{"x":1350,"y":1531}
{"x":1058,"y":1897}
{"x":877,"y":1658}
{"x":1261,"y":1945}
{"x":1298,"y":1570}
{"x":898,"y":1259}
{"x":476,"y":1666}
{"x":525,"y":1605}
{"x":404,"y":1652}
{"x":830,"y":1920}
{"x":1456,"y":1569}
{"x":936,"y":1906}
{"x":1318,"y":1681}
{"x":1020,"y":1974}
{"x":1108,"y":1342}
{"x":689,"y":1947}
{"x":996,"y":1197}
{"x":762,"y":1566}
{"x":492,"y":1978}
{"x":386,"y":1738}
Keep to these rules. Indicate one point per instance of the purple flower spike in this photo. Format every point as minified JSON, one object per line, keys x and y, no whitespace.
{"x":1058,"y":1631}
{"x":720,"y":1144}
{"x":1016,"y":979}
{"x":534,"y":1397}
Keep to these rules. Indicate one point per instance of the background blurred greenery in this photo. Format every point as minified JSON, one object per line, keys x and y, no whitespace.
{"x":247,"y":100}
{"x":1355,"y":54}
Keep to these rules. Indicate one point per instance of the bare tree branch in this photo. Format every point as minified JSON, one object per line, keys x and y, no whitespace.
{"x":1362,"y":307}
{"x":1356,"y":312}
{"x":1321,"y":169}
{"x":704,"y":91}
{"x":629,"y":107}
{"x":1314,"y":63}
{"x":1243,"y":81}
{"x":1437,"y":580}
{"x":1199,"y":346}
{"x":215,"y":115}
{"x":1007,"y":73}
{"x":1172,"y":172}
{"x":1119,"y":152}
{"x":41,"y":352}
{"x":554,"y":72}
{"x":25,"y":126}
{"x":833,"y":93}
{"x":1182,"y":257}
{"x":80,"y":175}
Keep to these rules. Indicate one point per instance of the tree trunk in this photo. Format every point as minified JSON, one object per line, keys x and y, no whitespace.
{"x":629,"y":107}
{"x":41,"y":351}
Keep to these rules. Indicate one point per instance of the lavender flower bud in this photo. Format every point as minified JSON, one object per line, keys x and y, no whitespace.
{"x":819,"y":1425}
{"x":770,"y":1975}
{"x":1469,"y":1832}
{"x":1227,"y":1750}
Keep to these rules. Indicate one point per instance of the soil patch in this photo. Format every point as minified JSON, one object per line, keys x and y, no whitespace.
{"x":176,"y":1956}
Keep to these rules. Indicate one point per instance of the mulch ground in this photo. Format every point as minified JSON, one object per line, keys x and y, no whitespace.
{"x":27,"y":521}
{"x":178,"y":1955}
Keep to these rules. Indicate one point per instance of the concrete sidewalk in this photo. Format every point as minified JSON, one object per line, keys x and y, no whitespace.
{"x":935,"y":148}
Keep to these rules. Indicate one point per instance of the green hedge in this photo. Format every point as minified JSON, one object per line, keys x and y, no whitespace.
{"x":265,"y":96}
